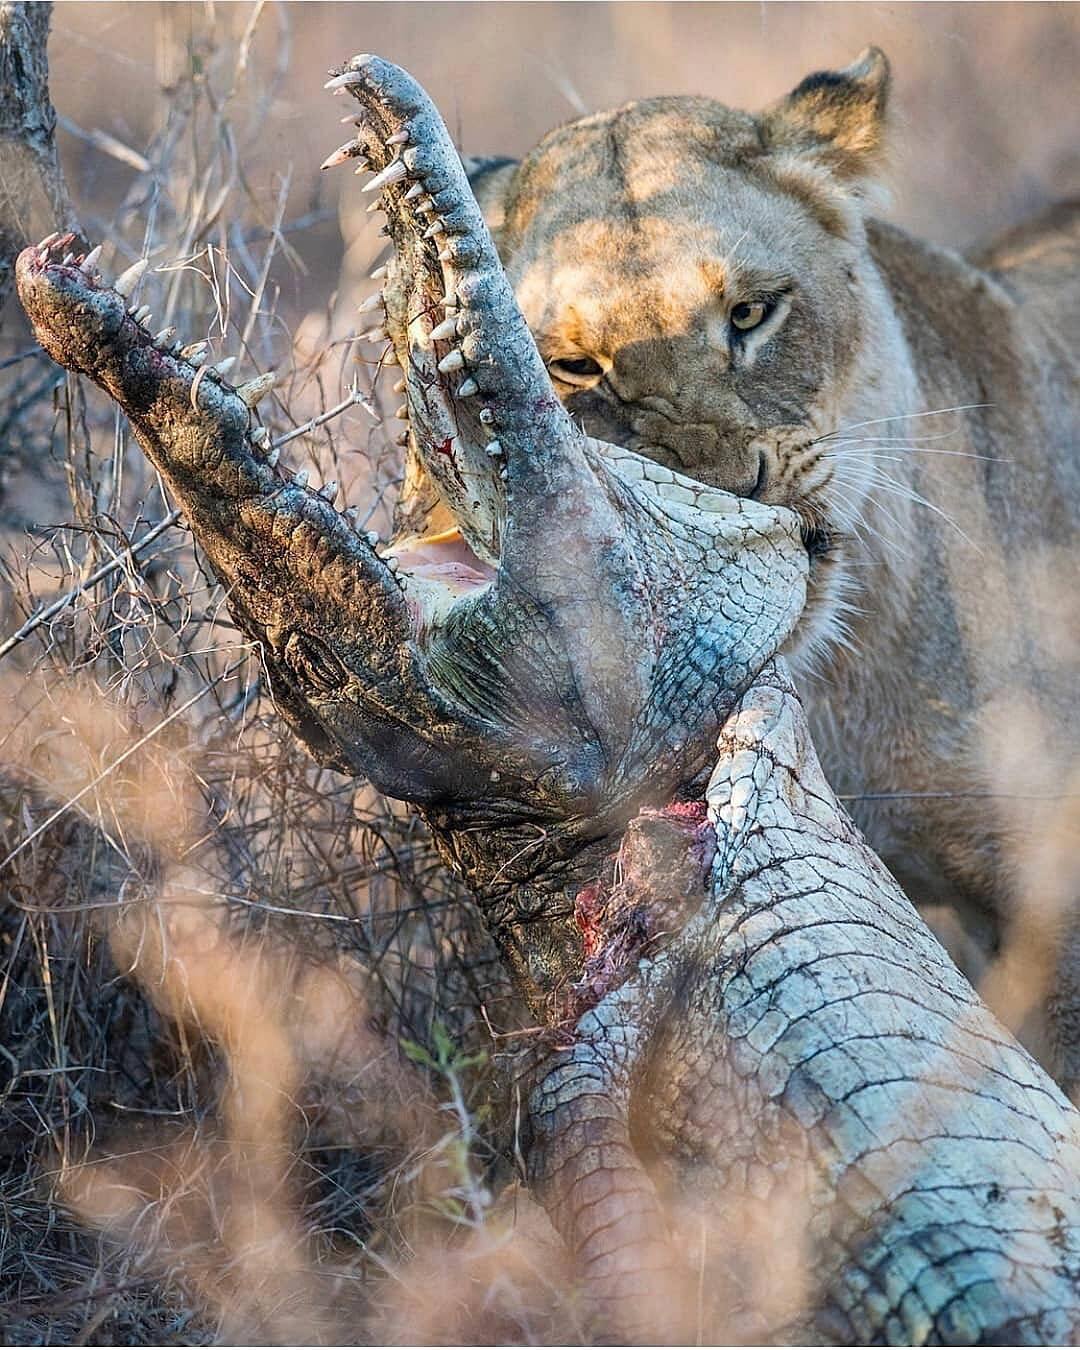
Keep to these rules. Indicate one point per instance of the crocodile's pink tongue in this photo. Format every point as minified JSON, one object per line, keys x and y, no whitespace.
{"x":445,"y":558}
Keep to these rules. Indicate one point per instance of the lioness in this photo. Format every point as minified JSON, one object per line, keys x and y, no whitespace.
{"x":708,"y":288}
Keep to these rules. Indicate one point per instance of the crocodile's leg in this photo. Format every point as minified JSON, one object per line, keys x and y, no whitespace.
{"x":585,"y":1170}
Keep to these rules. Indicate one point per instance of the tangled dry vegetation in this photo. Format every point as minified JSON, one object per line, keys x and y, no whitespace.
{"x":249,"y":1037}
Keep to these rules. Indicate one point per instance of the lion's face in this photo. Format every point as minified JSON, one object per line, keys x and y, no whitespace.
{"x":694,"y":278}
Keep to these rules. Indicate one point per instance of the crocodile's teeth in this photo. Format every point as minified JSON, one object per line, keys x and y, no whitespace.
{"x":194,"y":351}
{"x":398,"y":138}
{"x":67,"y":260}
{"x":417,"y":190}
{"x":372,"y":536}
{"x":402,"y":438}
{"x":377,"y":204}
{"x":468,"y":388}
{"x":437,"y":227}
{"x":447,"y":329}
{"x":141,"y":314}
{"x":350,"y":513}
{"x":391,"y":562}
{"x":256,"y":389}
{"x":391,"y":358}
{"x":399,"y":386}
{"x":446,"y":255}
{"x":50,"y":239}
{"x":380,"y":273}
{"x":165,"y":337}
{"x":374,"y":335}
{"x":126,"y":282}
{"x":373,"y":302}
{"x":90,"y":262}
{"x":344,"y":80}
{"x":329,"y":490}
{"x":487,"y":416}
{"x":273,"y":457}
{"x":350,"y":150}
{"x":494,"y":449}
{"x":261,"y":437}
{"x":451,"y":361}
{"x":223,"y":366}
{"x":402,"y":413}
{"x":300,"y":478}
{"x":427,"y":206}
{"x":393,"y":173}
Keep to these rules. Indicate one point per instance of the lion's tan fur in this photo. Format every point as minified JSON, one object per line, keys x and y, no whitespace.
{"x":919,"y":408}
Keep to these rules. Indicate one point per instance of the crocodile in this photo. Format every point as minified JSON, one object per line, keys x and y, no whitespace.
{"x":581,"y":688}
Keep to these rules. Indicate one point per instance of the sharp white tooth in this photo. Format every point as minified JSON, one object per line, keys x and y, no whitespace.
{"x":374,"y":335}
{"x":468,"y":388}
{"x":194,"y":351}
{"x":165,"y":337}
{"x":256,"y":389}
{"x":402,"y":413}
{"x":273,"y":457}
{"x":350,"y":150}
{"x":446,"y":255}
{"x":399,"y":387}
{"x":398,"y":138}
{"x":392,"y":563}
{"x":417,"y":190}
{"x":373,"y":302}
{"x":223,"y":366}
{"x":300,"y":478}
{"x":436,"y":227}
{"x":141,"y":314}
{"x":90,"y":262}
{"x":126,"y":282}
{"x":487,"y":416}
{"x":372,"y":536}
{"x":426,"y":207}
{"x":402,"y":438}
{"x":380,"y":273}
{"x":504,"y":474}
{"x":261,"y":437}
{"x":494,"y":449}
{"x":344,"y":80}
{"x":393,"y":173}
{"x":329,"y":491}
{"x":50,"y":239}
{"x":451,"y":361}
{"x":350,"y":117}
{"x":376,"y":205}
{"x":68,"y":259}
{"x":390,"y":358}
{"x":447,"y":329}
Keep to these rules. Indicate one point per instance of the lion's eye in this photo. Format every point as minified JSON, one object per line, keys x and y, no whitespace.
{"x":576,"y":369}
{"x":749,"y":314}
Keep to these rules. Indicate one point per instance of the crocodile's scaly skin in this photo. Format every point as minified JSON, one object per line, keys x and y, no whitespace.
{"x":805,"y":1035}
{"x":748,"y":1028}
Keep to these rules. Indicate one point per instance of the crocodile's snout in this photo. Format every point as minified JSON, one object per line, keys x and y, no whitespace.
{"x":74,"y":316}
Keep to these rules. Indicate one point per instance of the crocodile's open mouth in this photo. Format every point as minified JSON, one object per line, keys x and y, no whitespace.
{"x":552,"y":612}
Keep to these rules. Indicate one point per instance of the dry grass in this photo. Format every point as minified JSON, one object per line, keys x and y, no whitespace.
{"x":245,"y":1091}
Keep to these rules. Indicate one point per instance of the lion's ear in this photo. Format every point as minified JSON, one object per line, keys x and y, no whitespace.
{"x":837,"y":114}
{"x":489,"y":177}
